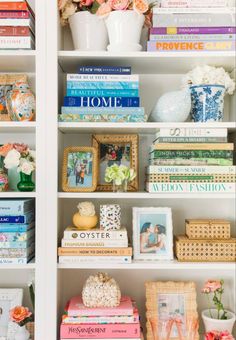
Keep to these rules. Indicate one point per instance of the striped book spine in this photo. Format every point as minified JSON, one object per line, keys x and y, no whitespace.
{"x":175,"y":170}
{"x":167,"y":154}
{"x":217,"y":178}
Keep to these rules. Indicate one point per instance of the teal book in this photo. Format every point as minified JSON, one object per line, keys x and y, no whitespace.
{"x":102,"y":93}
{"x":103,"y":110}
{"x":103,"y":85}
{"x":228,"y":154}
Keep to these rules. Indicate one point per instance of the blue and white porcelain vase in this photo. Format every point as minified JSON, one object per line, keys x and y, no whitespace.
{"x":207,"y":103}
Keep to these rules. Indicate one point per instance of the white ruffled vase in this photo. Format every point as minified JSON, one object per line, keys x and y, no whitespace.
{"x":22,"y":334}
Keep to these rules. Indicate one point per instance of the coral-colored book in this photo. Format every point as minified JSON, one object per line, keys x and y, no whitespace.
{"x":95,"y":251}
{"x":13,"y":6}
{"x":76,"y":307}
{"x":114,"y":331}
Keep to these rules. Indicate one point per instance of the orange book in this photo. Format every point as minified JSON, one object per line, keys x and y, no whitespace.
{"x":13,"y":6}
{"x":94,"y":251}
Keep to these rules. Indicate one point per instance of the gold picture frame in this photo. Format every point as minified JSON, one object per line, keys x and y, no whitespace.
{"x":79,"y":175}
{"x":121,"y":141}
{"x":171,"y":311}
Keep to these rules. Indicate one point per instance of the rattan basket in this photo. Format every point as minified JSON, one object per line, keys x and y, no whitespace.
{"x":205,"y":250}
{"x":208,"y":229}
{"x":30,"y":328}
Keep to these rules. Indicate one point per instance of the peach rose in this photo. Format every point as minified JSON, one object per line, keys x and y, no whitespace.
{"x":119,"y":5}
{"x":104,"y":9}
{"x":141,"y":6}
{"x":19,"y":314}
{"x":5,"y":149}
{"x":212,"y":285}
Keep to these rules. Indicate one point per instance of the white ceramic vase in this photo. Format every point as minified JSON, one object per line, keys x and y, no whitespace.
{"x":124,"y":31}
{"x":89,"y":32}
{"x":216,"y":324}
{"x":22,"y":334}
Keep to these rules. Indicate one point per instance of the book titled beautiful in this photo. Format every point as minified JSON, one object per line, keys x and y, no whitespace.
{"x":160,"y":46}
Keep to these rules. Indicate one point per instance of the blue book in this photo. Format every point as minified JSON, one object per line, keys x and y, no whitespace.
{"x":103,"y":110}
{"x":16,"y":228}
{"x":101,"y":101}
{"x":105,"y":70}
{"x":103,"y":85}
{"x":16,"y":260}
{"x":16,"y":206}
{"x":18,"y":219}
{"x":17,"y":244}
{"x":102,"y":93}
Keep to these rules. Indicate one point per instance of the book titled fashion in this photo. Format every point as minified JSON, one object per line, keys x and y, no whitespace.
{"x":94,"y":243}
{"x":95,"y":251}
{"x":224,"y":45}
{"x":73,"y":78}
{"x":16,"y":206}
{"x":95,"y":234}
{"x":193,"y":30}
{"x":105,"y":70}
{"x":176,"y":188}
{"x":87,"y":260}
{"x":102,"y":93}
{"x":103,"y":110}
{"x":101,"y":101}
{"x":191,"y":170}
{"x":103,"y":85}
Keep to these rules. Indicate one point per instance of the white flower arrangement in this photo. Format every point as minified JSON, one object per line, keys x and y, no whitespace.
{"x":209,"y":75}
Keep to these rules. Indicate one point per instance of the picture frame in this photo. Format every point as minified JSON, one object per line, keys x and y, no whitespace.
{"x":79,"y":170}
{"x":152,"y":233}
{"x":9,"y":298}
{"x":116,"y":149}
{"x":171,"y":311}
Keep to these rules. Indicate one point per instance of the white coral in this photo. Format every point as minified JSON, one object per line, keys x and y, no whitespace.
{"x":86,"y":209}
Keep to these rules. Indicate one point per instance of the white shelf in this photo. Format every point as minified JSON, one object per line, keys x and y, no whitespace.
{"x":141,"y":128}
{"x":147,"y":62}
{"x":141,"y":195}
{"x":30,"y":265}
{"x":17,"y":127}
{"x":17,"y":60}
{"x":147,"y":265}
{"x":17,"y":194}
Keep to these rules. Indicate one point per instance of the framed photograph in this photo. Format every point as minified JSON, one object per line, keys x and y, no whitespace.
{"x":152,"y":234}
{"x":171,"y":311}
{"x":116,"y":149}
{"x":9,"y":298}
{"x":79,"y":173}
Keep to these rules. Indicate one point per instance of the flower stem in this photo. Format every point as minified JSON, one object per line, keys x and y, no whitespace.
{"x":209,"y":306}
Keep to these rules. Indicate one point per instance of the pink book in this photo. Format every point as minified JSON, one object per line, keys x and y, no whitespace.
{"x":114,"y":331}
{"x":77,"y":308}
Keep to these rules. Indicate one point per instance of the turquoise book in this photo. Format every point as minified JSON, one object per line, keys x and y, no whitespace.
{"x":101,"y":93}
{"x":103,"y":85}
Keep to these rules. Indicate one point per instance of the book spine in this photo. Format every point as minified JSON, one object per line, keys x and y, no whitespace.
{"x":95,"y":251}
{"x":95,"y":235}
{"x":102,"y":110}
{"x":94,"y":243}
{"x":127,"y":118}
{"x":28,"y":218}
{"x":13,"y":252}
{"x":13,"y":6}
{"x":153,"y":178}
{"x":107,"y":338}
{"x":193,"y":3}
{"x":195,"y":37}
{"x":192,"y":161}
{"x":193,"y":20}
{"x":193,"y":30}
{"x":100,"y":331}
{"x":14,"y":31}
{"x":190,"y":187}
{"x":15,"y":260}
{"x":16,"y":22}
{"x":102,"y":93}
{"x":16,"y":42}
{"x":15,"y":244}
{"x":192,"y":140}
{"x":161,"y":46}
{"x":100,"y":319}
{"x":98,"y":259}
{"x":192,"y":154}
{"x":103,"y":85}
{"x":20,"y":228}
{"x":101,"y":102}
{"x":74,"y":78}
{"x":104,"y":70}
{"x":193,"y":10}
{"x":191,"y":132}
{"x":16,"y":207}
{"x":14,"y":15}
{"x":191,"y":170}
{"x":14,"y":236}
{"x":194,"y":146}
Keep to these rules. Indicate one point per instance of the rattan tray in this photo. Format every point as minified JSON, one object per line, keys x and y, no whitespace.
{"x":207,"y":229}
{"x":205,"y":250}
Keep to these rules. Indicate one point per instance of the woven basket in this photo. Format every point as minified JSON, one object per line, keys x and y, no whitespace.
{"x":208,"y":229}
{"x":205,"y":250}
{"x":30,"y":328}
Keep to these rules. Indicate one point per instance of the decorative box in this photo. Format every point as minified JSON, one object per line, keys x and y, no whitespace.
{"x":110,"y":217}
{"x":208,"y":229}
{"x":205,"y":250}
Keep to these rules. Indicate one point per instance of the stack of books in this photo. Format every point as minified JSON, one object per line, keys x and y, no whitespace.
{"x":102,"y":94}
{"x":192,"y":25}
{"x":191,"y":160}
{"x":94,"y":245}
{"x":17,"y":231}
{"x":17,"y":25}
{"x":80,"y":322}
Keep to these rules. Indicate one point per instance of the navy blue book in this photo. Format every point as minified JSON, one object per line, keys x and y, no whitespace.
{"x":101,"y":101}
{"x":104,"y":70}
{"x":17,"y":219}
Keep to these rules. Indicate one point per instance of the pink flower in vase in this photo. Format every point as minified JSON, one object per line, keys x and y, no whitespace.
{"x":86,"y":3}
{"x":226,"y":336}
{"x":119,"y":5}
{"x":104,"y":9}
{"x":21,"y":147}
{"x":215,"y":335}
{"x":211,"y":286}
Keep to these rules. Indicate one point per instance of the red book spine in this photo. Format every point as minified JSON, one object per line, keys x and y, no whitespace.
{"x":14,"y":15}
{"x":13,"y":6}
{"x":17,"y":31}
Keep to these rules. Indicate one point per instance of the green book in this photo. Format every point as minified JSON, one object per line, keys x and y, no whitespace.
{"x":191,"y":161}
{"x":227,"y":154}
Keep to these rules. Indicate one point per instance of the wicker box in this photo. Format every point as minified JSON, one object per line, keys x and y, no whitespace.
{"x":207,"y":229}
{"x":205,"y":250}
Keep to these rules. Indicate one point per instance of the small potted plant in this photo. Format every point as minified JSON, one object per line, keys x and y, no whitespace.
{"x":89,"y":31}
{"x":20,"y":156}
{"x":214,"y":335}
{"x":217,"y":318}
{"x":208,"y":85}
{"x":21,"y":316}
{"x":120,"y":176}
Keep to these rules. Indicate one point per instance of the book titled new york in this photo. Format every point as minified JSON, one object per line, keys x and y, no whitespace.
{"x":176,"y":46}
{"x":19,"y":219}
{"x":100,"y":331}
{"x":167,"y":154}
{"x":105,"y":70}
{"x":101,"y":101}
{"x":16,"y":228}
{"x":103,"y":85}
{"x":103,"y":110}
{"x":95,"y":251}
{"x":193,"y":30}
{"x":176,"y":188}
{"x":102,"y":93}
{"x":95,"y":234}
{"x":16,"y":206}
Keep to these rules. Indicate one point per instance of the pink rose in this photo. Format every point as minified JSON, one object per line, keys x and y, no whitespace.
{"x":104,"y":9}
{"x":226,"y":336}
{"x":21,"y":147}
{"x":119,"y":5}
{"x":86,"y":3}
{"x":212,"y":285}
{"x":100,"y":1}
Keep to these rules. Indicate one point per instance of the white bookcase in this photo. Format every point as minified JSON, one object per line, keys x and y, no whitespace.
{"x":47,"y":67}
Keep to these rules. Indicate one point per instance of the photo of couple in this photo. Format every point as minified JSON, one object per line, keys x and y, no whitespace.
{"x":79,"y":169}
{"x":152,"y":238}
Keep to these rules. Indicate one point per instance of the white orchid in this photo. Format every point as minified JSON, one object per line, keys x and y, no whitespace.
{"x":12,"y":159}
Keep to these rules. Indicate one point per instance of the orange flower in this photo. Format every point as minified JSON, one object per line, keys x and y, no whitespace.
{"x":5,"y":149}
{"x":19,"y":314}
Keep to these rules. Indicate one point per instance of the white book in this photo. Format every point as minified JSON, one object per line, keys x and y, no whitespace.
{"x":94,"y":243}
{"x":194,"y":37}
{"x":17,"y":22}
{"x":197,"y":3}
{"x":193,"y":188}
{"x":16,"y":43}
{"x":210,"y":10}
{"x":191,"y":132}
{"x":95,"y":234}
{"x":190,"y":170}
{"x":15,"y":260}
{"x":94,"y":259}
{"x":102,"y":77}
